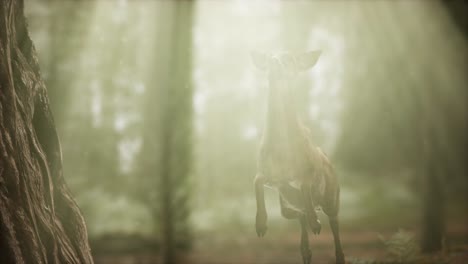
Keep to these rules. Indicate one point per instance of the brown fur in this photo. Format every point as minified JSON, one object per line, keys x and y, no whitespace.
{"x":289,"y":162}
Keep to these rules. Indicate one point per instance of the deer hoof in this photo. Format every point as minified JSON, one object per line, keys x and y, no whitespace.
{"x":340,"y":258}
{"x":260,"y":224}
{"x":315,"y":226}
{"x":306,"y":256}
{"x":261,"y":230}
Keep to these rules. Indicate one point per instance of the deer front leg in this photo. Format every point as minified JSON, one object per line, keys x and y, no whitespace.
{"x":261,"y":217}
{"x":311,"y":215}
{"x":305,"y":249}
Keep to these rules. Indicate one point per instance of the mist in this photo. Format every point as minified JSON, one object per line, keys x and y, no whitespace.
{"x":161,"y":111}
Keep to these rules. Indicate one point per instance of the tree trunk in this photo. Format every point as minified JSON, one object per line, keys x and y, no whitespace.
{"x":435,"y":168}
{"x":433,"y":224}
{"x":176,"y":129}
{"x":166,"y":154}
{"x":39,"y":220}
{"x":458,"y":11}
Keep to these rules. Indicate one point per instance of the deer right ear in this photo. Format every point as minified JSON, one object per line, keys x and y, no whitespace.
{"x":307,"y":60}
{"x":260,"y":60}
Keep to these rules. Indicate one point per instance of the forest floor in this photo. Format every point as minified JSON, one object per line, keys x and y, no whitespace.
{"x":360,"y":247}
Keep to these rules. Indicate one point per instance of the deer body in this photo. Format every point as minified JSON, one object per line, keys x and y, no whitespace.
{"x":289,"y":162}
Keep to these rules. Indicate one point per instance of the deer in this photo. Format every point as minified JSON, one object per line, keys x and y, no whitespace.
{"x":288,"y":161}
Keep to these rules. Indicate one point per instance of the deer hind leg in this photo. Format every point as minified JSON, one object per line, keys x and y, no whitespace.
{"x":291,"y":213}
{"x":290,"y":196}
{"x":288,"y":212}
{"x":261,"y":217}
{"x":331,"y":210}
{"x":305,"y":249}
{"x":311,"y":215}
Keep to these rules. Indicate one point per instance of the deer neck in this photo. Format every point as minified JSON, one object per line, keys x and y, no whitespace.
{"x":282,"y":122}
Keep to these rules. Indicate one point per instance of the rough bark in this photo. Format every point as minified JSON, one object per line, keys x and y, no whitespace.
{"x":39,"y":220}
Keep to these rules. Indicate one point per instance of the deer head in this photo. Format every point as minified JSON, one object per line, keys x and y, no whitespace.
{"x":282,"y":68}
{"x":288,"y":63}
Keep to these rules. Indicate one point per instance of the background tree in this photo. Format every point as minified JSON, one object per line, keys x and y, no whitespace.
{"x":421,"y":114}
{"x":167,"y":147}
{"x":40,"y":222}
{"x":294,"y":35}
{"x":66,"y":28}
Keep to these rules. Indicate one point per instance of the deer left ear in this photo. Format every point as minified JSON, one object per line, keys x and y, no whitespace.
{"x":307,"y":60}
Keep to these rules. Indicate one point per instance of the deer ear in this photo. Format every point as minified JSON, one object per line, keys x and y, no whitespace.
{"x":260,"y":60}
{"x":307,"y":60}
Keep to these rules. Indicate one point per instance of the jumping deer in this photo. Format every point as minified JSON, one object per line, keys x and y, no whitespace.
{"x":288,"y":161}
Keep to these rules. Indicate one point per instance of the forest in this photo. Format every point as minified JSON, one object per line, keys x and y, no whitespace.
{"x":131,"y":131}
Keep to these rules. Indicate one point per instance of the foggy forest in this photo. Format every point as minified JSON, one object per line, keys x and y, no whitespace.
{"x":243,"y":132}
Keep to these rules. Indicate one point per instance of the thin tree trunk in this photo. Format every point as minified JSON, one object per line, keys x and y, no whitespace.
{"x":433,"y":223}
{"x":176,"y":131}
{"x":166,"y":153}
{"x":39,"y":220}
{"x":434,"y":169}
